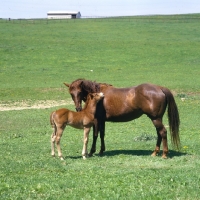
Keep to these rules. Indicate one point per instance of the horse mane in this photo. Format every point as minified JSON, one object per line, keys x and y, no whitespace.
{"x":88,"y":86}
{"x":92,"y":86}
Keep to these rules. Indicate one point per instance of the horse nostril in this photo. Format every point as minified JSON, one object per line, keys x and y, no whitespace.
{"x":78,"y":109}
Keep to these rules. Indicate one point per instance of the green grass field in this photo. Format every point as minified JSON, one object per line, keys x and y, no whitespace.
{"x":37,"y":56}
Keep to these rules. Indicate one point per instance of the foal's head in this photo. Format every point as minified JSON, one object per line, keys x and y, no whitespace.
{"x":95,"y":97}
{"x":79,"y":90}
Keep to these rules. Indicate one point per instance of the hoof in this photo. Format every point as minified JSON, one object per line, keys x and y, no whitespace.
{"x":154,"y":154}
{"x":100,"y":153}
{"x":90,"y":154}
{"x":84,"y":157}
{"x":61,"y":158}
{"x":164,"y":156}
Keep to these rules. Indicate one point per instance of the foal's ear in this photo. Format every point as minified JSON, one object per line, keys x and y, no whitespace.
{"x":91,"y":95}
{"x":67,"y":84}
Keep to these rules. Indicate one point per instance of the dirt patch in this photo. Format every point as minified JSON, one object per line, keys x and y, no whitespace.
{"x":23,"y":105}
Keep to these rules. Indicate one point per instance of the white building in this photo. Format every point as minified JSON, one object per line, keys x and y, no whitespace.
{"x":63,"y":14}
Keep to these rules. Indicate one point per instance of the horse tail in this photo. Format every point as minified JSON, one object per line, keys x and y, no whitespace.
{"x":173,"y":118}
{"x":52,"y":122}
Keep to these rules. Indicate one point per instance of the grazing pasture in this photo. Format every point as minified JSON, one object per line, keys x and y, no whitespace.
{"x":36,"y":58}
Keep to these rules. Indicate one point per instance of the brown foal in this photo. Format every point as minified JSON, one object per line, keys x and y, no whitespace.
{"x":84,"y":119}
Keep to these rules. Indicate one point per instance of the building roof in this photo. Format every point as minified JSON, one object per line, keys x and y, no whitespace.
{"x":63,"y":12}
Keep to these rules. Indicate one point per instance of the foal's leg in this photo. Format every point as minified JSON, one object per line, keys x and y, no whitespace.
{"x":57,"y":139}
{"x":85,"y":142}
{"x":53,"y":137}
{"x":162,"y":136}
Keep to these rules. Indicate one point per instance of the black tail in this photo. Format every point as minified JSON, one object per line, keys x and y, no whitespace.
{"x":173,"y":118}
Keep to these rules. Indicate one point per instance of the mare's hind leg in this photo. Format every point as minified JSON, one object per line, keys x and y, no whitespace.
{"x":158,"y":143}
{"x":162,"y":136}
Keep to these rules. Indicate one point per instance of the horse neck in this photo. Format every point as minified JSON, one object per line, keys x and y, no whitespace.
{"x":104,"y":87}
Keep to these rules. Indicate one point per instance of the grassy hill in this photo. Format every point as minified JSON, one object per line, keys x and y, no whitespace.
{"x":37,"y":56}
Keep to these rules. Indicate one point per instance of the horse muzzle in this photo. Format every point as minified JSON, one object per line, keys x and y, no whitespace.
{"x":78,"y":109}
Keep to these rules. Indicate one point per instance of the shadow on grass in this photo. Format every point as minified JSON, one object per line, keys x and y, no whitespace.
{"x":72,"y":157}
{"x":171,"y":154}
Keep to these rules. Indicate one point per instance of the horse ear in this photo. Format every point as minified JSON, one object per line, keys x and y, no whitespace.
{"x":91,"y":95}
{"x":67,"y":84}
{"x":82,"y":84}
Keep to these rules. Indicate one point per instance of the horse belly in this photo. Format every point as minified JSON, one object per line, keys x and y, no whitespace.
{"x":77,"y":126}
{"x":124,"y":117}
{"x":75,"y":123}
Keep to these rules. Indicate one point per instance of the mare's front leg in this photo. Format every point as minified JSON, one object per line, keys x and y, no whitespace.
{"x":85,"y":142}
{"x":162,"y":137}
{"x":102,"y":135}
{"x":95,"y":136}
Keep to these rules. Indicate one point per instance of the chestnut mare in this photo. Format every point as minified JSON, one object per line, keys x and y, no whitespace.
{"x":125,"y":104}
{"x":84,"y":119}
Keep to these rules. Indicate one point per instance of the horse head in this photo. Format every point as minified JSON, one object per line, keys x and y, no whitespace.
{"x":77,"y":93}
{"x":79,"y":90}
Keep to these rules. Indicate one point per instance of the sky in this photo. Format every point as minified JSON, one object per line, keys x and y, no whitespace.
{"x":20,"y":9}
